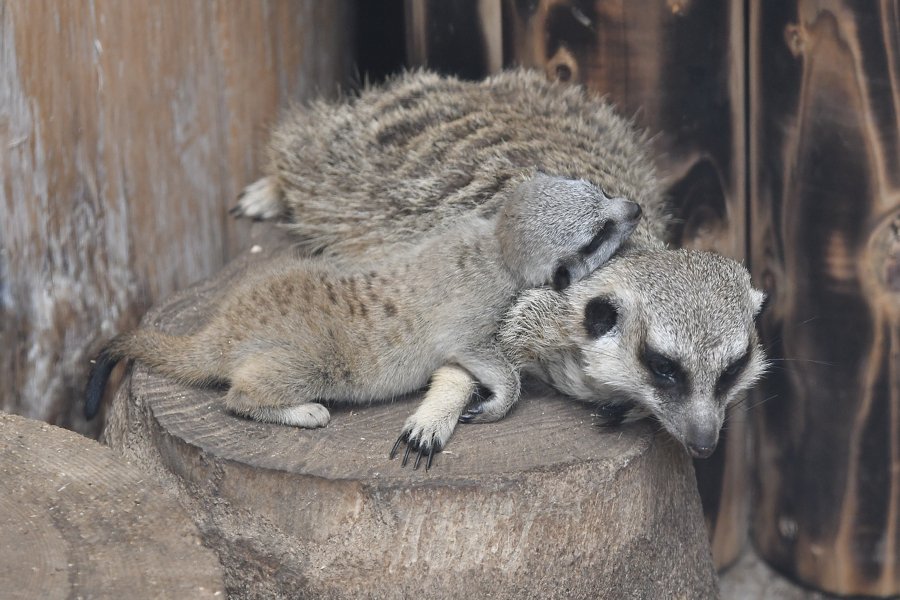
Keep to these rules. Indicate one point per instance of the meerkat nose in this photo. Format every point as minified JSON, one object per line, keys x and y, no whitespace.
{"x":635,"y":211}
{"x":698,"y":451}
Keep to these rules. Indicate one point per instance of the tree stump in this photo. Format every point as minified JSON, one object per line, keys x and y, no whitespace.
{"x":76,"y":521}
{"x":542,"y":504}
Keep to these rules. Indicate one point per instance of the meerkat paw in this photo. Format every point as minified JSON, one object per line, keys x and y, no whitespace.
{"x":485,"y":410}
{"x":258,"y":201}
{"x":427,"y":436}
{"x":309,"y":415}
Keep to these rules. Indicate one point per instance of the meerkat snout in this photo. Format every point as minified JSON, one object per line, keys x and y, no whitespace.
{"x":597,"y":227}
{"x":673,"y":334}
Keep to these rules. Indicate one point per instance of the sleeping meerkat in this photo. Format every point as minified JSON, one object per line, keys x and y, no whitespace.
{"x":637,"y":336}
{"x":306,"y":331}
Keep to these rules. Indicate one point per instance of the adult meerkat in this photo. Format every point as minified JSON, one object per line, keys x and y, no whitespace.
{"x":663,"y":332}
{"x":307,"y":330}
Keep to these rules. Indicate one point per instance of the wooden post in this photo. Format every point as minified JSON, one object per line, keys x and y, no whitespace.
{"x":678,"y":67}
{"x":507,"y":511}
{"x":825,"y":154}
{"x":126,"y":130}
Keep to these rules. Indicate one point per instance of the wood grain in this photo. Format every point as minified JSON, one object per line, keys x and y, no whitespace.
{"x":677,"y":67}
{"x":825,"y":92}
{"x":77,"y":521}
{"x":127,"y":129}
{"x":542,"y":504}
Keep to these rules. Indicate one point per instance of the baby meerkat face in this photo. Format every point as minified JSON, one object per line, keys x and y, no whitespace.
{"x":674,"y":333}
{"x":557,"y":231}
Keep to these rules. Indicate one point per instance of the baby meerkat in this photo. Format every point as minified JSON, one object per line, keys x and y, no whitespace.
{"x":657,"y":331}
{"x":306,"y":331}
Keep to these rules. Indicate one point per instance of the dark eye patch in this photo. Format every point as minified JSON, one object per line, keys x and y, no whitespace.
{"x":731,"y":373}
{"x":666,"y":372}
{"x":599,"y":237}
{"x":600,"y":316}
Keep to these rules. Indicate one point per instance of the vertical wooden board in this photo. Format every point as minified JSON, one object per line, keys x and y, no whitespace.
{"x":678,"y":68}
{"x":460,"y":38}
{"x":825,"y":154}
{"x":127,"y":129}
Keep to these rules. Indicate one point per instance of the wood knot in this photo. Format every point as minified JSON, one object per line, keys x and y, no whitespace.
{"x":884,"y":251}
{"x":562,"y":66}
{"x":795,"y":39}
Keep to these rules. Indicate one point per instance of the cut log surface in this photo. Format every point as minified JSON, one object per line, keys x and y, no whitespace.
{"x":77,"y":521}
{"x":542,"y":504}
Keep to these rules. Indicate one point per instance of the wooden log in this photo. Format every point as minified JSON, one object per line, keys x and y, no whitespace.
{"x":126,"y":130}
{"x":678,"y":67}
{"x":825,"y":92}
{"x":543,"y":504}
{"x":76,"y":521}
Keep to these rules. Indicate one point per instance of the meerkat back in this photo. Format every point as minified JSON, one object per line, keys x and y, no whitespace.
{"x":407,"y":156}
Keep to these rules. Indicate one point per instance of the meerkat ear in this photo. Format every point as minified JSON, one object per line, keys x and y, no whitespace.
{"x":760,"y":301}
{"x":600,"y":315}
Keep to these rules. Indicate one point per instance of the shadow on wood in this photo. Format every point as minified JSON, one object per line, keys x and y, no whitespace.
{"x":542,"y":504}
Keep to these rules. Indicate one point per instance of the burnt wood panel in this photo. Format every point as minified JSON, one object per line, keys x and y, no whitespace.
{"x":127,"y":129}
{"x":460,"y":38}
{"x":825,"y":222}
{"x":677,"y":68}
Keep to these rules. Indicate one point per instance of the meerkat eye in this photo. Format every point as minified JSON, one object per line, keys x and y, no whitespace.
{"x":561,"y":278}
{"x":599,"y":237}
{"x":731,"y":373}
{"x":665,"y":370}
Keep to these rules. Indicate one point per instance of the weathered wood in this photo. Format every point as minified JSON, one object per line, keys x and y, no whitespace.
{"x":825,"y":93}
{"x":461,"y":38}
{"x":126,"y":130}
{"x":76,"y":521}
{"x":542,"y":504}
{"x":750,"y":578}
{"x":678,"y":68}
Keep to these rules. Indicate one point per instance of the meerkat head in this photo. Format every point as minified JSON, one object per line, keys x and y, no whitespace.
{"x":556,"y":230}
{"x":672,"y":331}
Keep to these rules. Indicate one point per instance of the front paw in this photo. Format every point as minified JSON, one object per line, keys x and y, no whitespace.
{"x":485,"y":410}
{"x":426,"y":438}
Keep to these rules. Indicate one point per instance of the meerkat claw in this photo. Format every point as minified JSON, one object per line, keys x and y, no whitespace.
{"x":430,"y":457}
{"x":471,"y":413}
{"x":418,"y":457}
{"x":405,"y":455}
{"x":402,"y":438}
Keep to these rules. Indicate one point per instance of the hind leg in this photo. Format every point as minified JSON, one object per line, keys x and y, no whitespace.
{"x":259,"y":201}
{"x":269,"y":388}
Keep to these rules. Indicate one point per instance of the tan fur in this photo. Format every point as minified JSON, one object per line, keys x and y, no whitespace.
{"x":397,"y":161}
{"x":307,"y":331}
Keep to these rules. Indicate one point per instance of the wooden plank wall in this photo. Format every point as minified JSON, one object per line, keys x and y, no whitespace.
{"x":825,"y":158}
{"x":127,"y":129}
{"x":677,"y":68}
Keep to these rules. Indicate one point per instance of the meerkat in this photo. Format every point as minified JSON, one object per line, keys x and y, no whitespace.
{"x":306,"y":331}
{"x":657,"y":331}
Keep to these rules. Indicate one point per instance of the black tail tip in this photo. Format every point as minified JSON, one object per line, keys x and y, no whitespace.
{"x":103,"y":366}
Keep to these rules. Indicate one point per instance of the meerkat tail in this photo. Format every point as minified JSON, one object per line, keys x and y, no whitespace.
{"x":103,"y":366}
{"x":187,"y":359}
